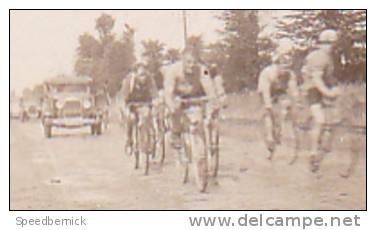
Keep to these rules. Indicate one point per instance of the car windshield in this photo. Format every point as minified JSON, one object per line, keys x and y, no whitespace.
{"x":70,"y":88}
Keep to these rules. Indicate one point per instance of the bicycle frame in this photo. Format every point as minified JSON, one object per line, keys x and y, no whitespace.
{"x":196,"y":146}
{"x":141,"y":133}
{"x":200,"y":140}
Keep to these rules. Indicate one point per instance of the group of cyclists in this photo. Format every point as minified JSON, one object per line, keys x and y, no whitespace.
{"x":192,"y":95}
{"x":282,"y":96}
{"x":187,"y":105}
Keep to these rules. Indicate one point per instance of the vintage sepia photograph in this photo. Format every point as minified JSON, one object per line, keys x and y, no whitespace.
{"x":188,"y":110}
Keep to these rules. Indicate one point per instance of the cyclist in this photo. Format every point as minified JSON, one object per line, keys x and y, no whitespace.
{"x":188,"y":80}
{"x":278,"y":89}
{"x":103,"y":100}
{"x":317,"y":74}
{"x":139,"y":89}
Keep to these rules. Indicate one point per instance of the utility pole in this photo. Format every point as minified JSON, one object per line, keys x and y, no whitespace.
{"x":185,"y":28}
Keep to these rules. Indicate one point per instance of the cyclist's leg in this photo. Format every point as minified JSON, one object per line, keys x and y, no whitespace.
{"x":212,"y":140}
{"x":212,"y":129}
{"x":131,"y":122}
{"x":198,"y":146}
{"x":151,"y":128}
{"x":144,"y":125}
{"x":209,"y":139}
{"x":208,"y":127}
{"x":277,"y":126}
{"x":107,"y":122}
{"x":157,"y":130}
{"x":293,"y":117}
{"x":318,"y":116}
{"x":177,"y":127}
{"x":122,"y":117}
{"x":326,"y":140}
{"x":269,"y":119}
{"x":356,"y":148}
{"x":197,"y":131}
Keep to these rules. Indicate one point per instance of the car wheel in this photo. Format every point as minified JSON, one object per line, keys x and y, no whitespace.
{"x":93,"y":129}
{"x":99,"y":128}
{"x":48,"y":131}
{"x":23,"y":116}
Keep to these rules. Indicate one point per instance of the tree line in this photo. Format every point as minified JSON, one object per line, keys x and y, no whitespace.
{"x":240,"y":53}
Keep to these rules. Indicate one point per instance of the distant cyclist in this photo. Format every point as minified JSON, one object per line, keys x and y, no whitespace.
{"x":139,"y":88}
{"x":278,"y":89}
{"x":188,"y":79}
{"x":103,"y":101}
{"x":317,"y":74}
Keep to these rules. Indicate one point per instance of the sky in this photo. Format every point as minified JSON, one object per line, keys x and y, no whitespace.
{"x":44,"y":43}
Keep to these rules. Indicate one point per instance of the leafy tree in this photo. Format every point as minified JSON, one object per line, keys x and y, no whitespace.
{"x":107,"y":59}
{"x":304,"y":27}
{"x":266,"y":48}
{"x":89,"y":47}
{"x":196,"y":45}
{"x":104,"y":25}
{"x":240,"y":39}
{"x":153,"y":55}
{"x":216,"y":53}
{"x":172,"y":55}
{"x":354,"y":44}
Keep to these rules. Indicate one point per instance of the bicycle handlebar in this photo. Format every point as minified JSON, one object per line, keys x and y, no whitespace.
{"x":139,"y":104}
{"x":193,"y":100}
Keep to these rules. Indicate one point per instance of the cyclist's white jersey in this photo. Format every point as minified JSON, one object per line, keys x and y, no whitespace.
{"x":269,"y":77}
{"x":318,"y":66}
{"x":174,"y":75}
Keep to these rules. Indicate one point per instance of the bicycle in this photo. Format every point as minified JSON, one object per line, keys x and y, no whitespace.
{"x":160,"y":127}
{"x":278,"y":120}
{"x":213,"y":138}
{"x":141,"y":134}
{"x":198,"y":149}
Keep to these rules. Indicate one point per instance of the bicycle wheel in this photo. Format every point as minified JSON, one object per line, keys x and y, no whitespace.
{"x":185,"y":171}
{"x":159,"y":140}
{"x":162,"y":144}
{"x":199,"y":163}
{"x":144,"y":152}
{"x":213,"y":149}
{"x":201,"y":174}
{"x":185,"y":165}
{"x":215,"y":156}
{"x":146,"y":142}
{"x":135,"y":148}
{"x":136,"y":159}
{"x":146,"y":172}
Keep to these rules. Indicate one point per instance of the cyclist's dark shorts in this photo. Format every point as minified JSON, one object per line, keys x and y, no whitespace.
{"x":132,"y":108}
{"x":314,"y":96}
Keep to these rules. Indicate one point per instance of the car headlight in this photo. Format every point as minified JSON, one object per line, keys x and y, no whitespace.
{"x":59,"y":104}
{"x":87,"y":103}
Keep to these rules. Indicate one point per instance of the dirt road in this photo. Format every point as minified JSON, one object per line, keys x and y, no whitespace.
{"x":75,"y":170}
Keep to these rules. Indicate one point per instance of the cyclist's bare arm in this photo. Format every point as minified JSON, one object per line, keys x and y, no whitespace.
{"x":220,"y":93}
{"x":194,"y":100}
{"x":219,"y":85}
{"x":126,"y":88}
{"x":320,"y":84}
{"x":207,"y":83}
{"x":139,"y":104}
{"x":264,"y":85}
{"x":293,"y":88}
{"x":170,"y":75}
{"x":153,"y":88}
{"x":214,"y":89}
